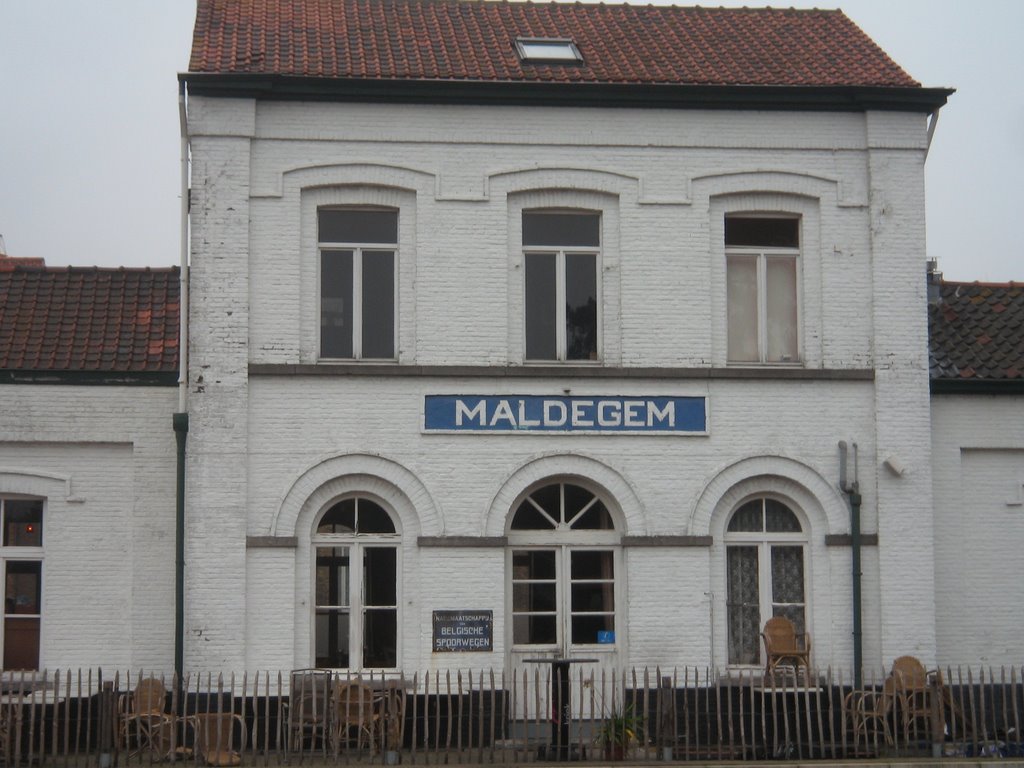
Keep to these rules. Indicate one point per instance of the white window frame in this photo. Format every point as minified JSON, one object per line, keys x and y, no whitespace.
{"x":765,"y":541}
{"x":22,"y":554}
{"x":357,"y":282}
{"x":762,"y":254}
{"x":564,"y":540}
{"x":357,"y":544}
{"x":560,"y":252}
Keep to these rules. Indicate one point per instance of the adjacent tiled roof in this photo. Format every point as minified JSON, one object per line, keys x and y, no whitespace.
{"x":8,"y":263}
{"x":976,"y":332}
{"x":89,"y":319}
{"x":441,"y":40}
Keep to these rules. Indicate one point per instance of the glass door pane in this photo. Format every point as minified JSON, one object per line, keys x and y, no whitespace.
{"x":788,"y":584}
{"x":592,"y":597}
{"x":333,"y":609}
{"x":380,"y":607}
{"x":743,"y":605}
{"x":22,"y":598}
{"x":534,"y":599}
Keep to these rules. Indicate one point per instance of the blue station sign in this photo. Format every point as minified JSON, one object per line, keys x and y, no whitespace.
{"x":613,"y":414}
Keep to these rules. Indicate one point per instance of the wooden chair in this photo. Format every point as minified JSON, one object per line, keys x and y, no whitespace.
{"x":356,"y":712}
{"x":144,"y":726}
{"x":784,"y":646}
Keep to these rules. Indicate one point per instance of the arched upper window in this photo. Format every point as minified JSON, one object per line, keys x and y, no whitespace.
{"x":356,"y":586}
{"x":765,"y":545}
{"x":561,"y":506}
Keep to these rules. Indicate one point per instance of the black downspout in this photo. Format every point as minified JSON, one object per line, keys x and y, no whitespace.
{"x":181,"y":433}
{"x":858,"y":639}
{"x":852,"y":490}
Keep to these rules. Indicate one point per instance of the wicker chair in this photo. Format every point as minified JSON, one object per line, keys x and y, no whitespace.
{"x":784,"y":646}
{"x":308,"y":709}
{"x":914,"y":686}
{"x":357,"y":714}
{"x":144,"y":725}
{"x":215,"y":740}
{"x":871,"y":712}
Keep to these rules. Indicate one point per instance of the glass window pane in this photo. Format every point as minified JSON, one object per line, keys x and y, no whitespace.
{"x":341,"y":518}
{"x":742,"y":312}
{"x":21,"y":643}
{"x":585,"y":628}
{"x":380,"y":576}
{"x":743,"y":605}
{"x":354,"y":225}
{"x":780,"y":303}
{"x":596,"y":518}
{"x":528,"y":518}
{"x":580,"y":306}
{"x":576,"y":498}
{"x":378,"y":304}
{"x":779,"y":518}
{"x":540,"y":306}
{"x":332,"y":576}
{"x":336,"y":304}
{"x":380,"y":638}
{"x":787,"y":574}
{"x":759,"y":231}
{"x":23,"y":589}
{"x":747,"y":518}
{"x":332,"y":641}
{"x":373,"y":518}
{"x":23,"y":522}
{"x":534,"y":630}
{"x":795,"y":613}
{"x":593,"y":598}
{"x":533,"y":564}
{"x":532,"y":597}
{"x":561,"y":228}
{"x":591,"y":564}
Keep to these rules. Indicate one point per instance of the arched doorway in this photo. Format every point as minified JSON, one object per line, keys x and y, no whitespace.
{"x":564,"y":578}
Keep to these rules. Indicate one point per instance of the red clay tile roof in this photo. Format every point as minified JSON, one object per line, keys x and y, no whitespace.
{"x":976,"y":332}
{"x":442,"y":40}
{"x":89,"y":319}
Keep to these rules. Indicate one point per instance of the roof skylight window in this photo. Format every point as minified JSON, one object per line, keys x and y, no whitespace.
{"x":545,"y":49}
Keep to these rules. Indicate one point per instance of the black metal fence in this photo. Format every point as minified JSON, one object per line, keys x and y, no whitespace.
{"x":90,"y":717}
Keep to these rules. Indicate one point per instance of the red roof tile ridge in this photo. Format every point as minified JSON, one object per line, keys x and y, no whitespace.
{"x":984,"y":283}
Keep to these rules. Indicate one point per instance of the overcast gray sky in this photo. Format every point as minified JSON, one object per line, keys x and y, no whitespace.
{"x":89,"y":143}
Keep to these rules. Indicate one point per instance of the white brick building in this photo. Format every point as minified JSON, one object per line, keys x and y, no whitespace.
{"x":567,"y":344}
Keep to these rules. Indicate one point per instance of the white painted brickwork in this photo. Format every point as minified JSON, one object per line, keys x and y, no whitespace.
{"x":268,"y":453}
{"x":103,"y":458}
{"x":978,"y":453}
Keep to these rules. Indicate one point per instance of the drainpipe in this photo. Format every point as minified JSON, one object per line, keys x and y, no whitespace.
{"x":852,"y":490}
{"x":931,"y":132}
{"x":180,"y":419}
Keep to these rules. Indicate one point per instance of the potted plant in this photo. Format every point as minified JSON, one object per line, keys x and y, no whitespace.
{"x":618,"y":731}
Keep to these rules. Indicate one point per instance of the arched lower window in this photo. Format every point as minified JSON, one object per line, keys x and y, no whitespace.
{"x":562,"y":569}
{"x":765,"y":545}
{"x":21,"y":520}
{"x":356,"y":586}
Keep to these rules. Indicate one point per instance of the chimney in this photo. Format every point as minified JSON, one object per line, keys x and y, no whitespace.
{"x":934,"y":282}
